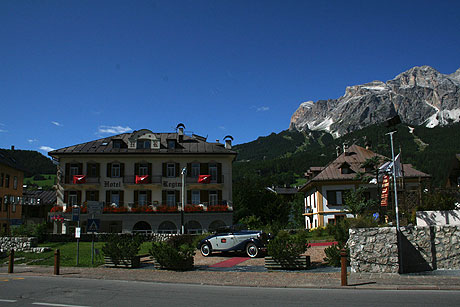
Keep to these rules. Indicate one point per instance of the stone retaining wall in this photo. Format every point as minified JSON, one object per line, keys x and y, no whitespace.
{"x":376,"y":250}
{"x":19,"y":244}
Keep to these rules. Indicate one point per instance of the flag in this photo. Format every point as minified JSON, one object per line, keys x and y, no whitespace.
{"x":387,"y":167}
{"x":77,"y":179}
{"x":204,"y":179}
{"x":142,"y":179}
{"x":385,"y":190}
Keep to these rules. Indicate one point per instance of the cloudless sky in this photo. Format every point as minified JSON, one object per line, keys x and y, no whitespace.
{"x":75,"y":71}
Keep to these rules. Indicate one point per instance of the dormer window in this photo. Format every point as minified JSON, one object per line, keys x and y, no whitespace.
{"x":171,"y":144}
{"x":345,"y":169}
{"x":117,"y":144}
{"x":143,"y":144}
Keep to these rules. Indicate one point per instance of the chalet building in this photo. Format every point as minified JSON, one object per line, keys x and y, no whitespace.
{"x":137,"y":178}
{"x":11,"y":179}
{"x":326,"y":186}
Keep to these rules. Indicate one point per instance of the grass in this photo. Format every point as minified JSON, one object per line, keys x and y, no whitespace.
{"x":68,"y":254}
{"x":49,"y":181}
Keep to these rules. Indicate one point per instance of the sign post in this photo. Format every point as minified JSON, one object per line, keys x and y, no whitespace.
{"x":76,"y":218}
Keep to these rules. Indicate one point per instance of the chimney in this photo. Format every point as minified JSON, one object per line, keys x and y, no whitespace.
{"x":345,"y":147}
{"x":12,"y":147}
{"x":181,"y":134}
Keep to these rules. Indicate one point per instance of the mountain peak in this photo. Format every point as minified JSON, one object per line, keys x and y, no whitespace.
{"x":420,"y":95}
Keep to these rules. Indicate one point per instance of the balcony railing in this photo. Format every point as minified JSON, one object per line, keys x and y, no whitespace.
{"x":137,"y":179}
{"x":219,"y":179}
{"x":85,"y":180}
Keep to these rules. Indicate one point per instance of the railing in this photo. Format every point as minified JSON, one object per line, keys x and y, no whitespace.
{"x":219,"y":179}
{"x":88,"y":180}
{"x":131,"y":179}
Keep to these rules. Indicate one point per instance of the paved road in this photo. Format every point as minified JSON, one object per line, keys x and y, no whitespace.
{"x":16,"y":290}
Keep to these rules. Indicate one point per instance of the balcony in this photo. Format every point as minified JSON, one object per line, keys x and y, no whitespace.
{"x":140,"y":180}
{"x":194,"y":180}
{"x":81,"y":179}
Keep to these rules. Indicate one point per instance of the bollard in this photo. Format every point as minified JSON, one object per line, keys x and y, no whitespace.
{"x":11,"y":263}
{"x":343,"y":262}
{"x":57,"y":255}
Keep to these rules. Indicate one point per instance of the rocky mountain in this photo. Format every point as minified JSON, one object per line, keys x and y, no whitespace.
{"x":420,"y":96}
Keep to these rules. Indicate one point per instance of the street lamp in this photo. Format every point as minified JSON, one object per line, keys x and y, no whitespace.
{"x":183,"y":174}
{"x":394,"y":180}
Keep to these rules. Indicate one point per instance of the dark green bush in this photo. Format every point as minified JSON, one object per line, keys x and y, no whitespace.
{"x":121,"y":248}
{"x":333,"y":255}
{"x":30,"y":230}
{"x":176,"y":253}
{"x":286,"y":247}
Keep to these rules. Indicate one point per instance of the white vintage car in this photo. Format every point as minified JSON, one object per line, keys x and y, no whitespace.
{"x":228,"y":239}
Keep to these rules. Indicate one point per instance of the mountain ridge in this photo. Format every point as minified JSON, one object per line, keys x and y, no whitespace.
{"x":420,"y":96}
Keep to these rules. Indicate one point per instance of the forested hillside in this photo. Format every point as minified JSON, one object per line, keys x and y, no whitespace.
{"x":33,"y":162}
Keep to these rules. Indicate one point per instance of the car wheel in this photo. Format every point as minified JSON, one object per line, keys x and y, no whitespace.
{"x":252,"y":250}
{"x":205,"y":250}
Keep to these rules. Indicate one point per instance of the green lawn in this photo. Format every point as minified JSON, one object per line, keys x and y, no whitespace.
{"x":49,"y":180}
{"x":68,"y":252}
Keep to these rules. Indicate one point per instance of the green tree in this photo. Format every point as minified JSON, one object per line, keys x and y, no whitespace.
{"x":356,"y":203}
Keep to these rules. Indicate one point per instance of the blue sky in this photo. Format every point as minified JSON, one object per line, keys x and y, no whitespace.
{"x":75,"y":71}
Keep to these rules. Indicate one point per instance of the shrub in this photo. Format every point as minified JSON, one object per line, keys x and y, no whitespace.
{"x":333,"y":255}
{"x":122,"y":248}
{"x":175,"y":254}
{"x":286,"y":247}
{"x":30,"y":230}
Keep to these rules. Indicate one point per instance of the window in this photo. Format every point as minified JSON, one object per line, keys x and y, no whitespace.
{"x":5,"y":203}
{"x":15,"y":183}
{"x":195,"y":171}
{"x":7,"y":181}
{"x":171,"y":170}
{"x":143,"y":169}
{"x":115,"y":170}
{"x":213,"y":171}
{"x":73,"y":198}
{"x":195,"y":197}
{"x":117,"y":143}
{"x":171,"y":198}
{"x":115,"y":197}
{"x":74,"y":169}
{"x":1,"y":179}
{"x":143,"y":144}
{"x":213,"y":198}
{"x":171,"y":144}
{"x":92,"y":195}
{"x":92,"y":170}
{"x":142,"y":198}
{"x":335,"y":197}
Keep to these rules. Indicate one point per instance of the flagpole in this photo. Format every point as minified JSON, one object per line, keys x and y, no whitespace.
{"x":183,"y":173}
{"x":394,"y":180}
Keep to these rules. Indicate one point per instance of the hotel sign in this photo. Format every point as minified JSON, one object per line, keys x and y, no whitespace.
{"x":171,"y":183}
{"x":112,"y":184}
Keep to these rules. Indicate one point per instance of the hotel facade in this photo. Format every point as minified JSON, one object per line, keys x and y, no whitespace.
{"x":137,"y":180}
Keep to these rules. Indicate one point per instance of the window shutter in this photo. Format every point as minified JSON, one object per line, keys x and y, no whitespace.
{"x":150,"y":169}
{"x":164,"y":169}
{"x":80,"y":168}
{"x":79,"y":197}
{"x":149,"y":197}
{"x":109,"y":170}
{"x":122,"y":197}
{"x":87,"y":196}
{"x":219,"y":172}
{"x":66,"y":197}
{"x":219,"y":197}
{"x":88,"y":167}
{"x":98,"y":170}
{"x":204,"y":169}
{"x":204,"y":196}
{"x":189,"y":169}
{"x":177,"y":197}
{"x":163,"y":197}
{"x":107,"y":198}
{"x":136,"y":168}
{"x":189,"y":196}
{"x":136,"y":197}
{"x":67,"y":173}
{"x":177,"y":167}
{"x":122,"y":169}
{"x":96,"y":195}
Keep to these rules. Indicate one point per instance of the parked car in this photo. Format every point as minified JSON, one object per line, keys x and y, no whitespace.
{"x":252,"y":242}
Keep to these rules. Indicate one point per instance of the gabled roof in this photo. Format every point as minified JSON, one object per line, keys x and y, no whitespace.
{"x":187,"y":145}
{"x":354,"y":157}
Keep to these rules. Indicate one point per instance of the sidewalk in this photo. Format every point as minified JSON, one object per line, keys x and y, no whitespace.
{"x":437,"y":280}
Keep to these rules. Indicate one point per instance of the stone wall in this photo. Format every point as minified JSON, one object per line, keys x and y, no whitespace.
{"x":376,"y":250}
{"x":19,"y":244}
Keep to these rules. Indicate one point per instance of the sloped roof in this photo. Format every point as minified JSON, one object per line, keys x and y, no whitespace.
{"x":47,"y":197}
{"x":189,"y":145}
{"x":354,"y":157}
{"x":8,"y":160}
